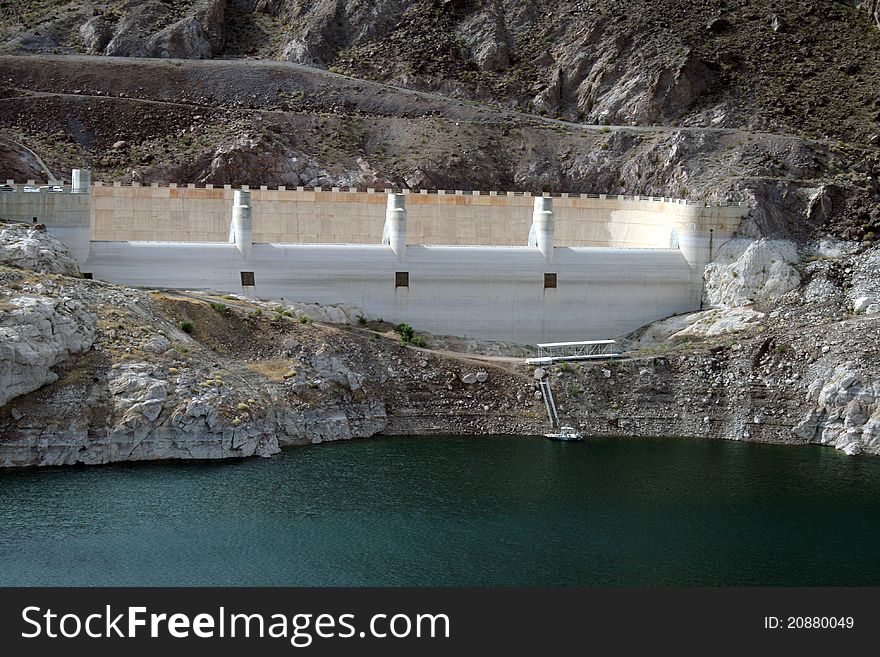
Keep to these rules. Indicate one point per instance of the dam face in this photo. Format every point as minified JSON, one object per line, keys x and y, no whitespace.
{"x":503,"y":266}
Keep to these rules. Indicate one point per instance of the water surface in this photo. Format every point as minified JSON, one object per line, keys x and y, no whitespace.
{"x":453,"y":511}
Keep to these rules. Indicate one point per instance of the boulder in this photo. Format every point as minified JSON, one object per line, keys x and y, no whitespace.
{"x":861,"y":304}
{"x":485,"y":36}
{"x":22,"y":245}
{"x":158,"y":344}
{"x":95,"y":34}
{"x":199,"y":34}
{"x":746,"y":272}
{"x":36,"y":333}
{"x":718,"y":25}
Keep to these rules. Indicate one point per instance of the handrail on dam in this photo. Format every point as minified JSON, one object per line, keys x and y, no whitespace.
{"x":549,"y":403}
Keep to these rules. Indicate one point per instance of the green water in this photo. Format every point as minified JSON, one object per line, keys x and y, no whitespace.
{"x":453,"y":511}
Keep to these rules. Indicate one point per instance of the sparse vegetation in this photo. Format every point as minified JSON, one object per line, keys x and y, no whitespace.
{"x":408,"y":336}
{"x":275,"y":370}
{"x":186,"y":326}
{"x":406,"y":333}
{"x":221,"y":308}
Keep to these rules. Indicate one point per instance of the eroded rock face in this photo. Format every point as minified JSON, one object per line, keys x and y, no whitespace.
{"x":36,"y":333}
{"x":331,"y":423}
{"x":871,"y":6}
{"x":152,"y":414}
{"x":96,"y":33}
{"x":485,"y":34}
{"x":846,"y":410}
{"x":240,"y":160}
{"x":326,"y":26}
{"x":865,"y":290}
{"x":198,"y":35}
{"x":746,"y":272}
{"x":30,"y":248}
{"x":18,"y":163}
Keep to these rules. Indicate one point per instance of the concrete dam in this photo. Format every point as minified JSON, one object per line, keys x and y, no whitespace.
{"x":504,"y":266}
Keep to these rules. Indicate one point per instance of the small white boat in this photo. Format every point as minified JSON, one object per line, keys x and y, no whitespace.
{"x":567,"y":434}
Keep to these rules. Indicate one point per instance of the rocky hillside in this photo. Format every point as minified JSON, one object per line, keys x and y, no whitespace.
{"x":94,"y":373}
{"x":775,"y":104}
{"x":788,"y":66}
{"x":264,"y":123}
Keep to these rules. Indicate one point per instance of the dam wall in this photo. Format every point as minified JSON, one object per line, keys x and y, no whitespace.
{"x":494,"y":265}
{"x":482,"y":292}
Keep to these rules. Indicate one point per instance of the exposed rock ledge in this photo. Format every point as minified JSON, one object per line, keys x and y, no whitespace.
{"x":37,"y":331}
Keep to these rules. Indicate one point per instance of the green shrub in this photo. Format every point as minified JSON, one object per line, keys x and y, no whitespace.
{"x":255,"y":314}
{"x":221,"y":308}
{"x":576,"y":391}
{"x":406,"y":333}
{"x":418,"y":341}
{"x":305,"y":319}
{"x":186,"y":327}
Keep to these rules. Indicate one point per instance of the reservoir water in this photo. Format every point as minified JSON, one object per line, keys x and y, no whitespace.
{"x":454,"y":511}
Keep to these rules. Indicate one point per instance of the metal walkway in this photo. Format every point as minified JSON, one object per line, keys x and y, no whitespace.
{"x":549,"y":403}
{"x":552,"y":352}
